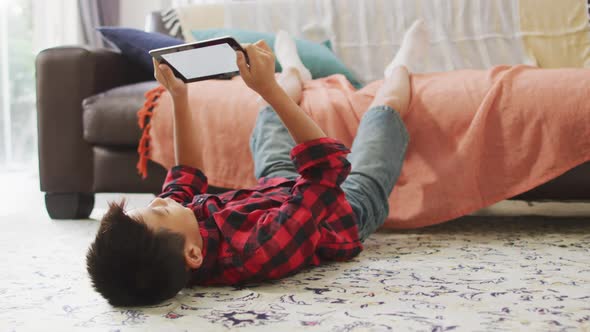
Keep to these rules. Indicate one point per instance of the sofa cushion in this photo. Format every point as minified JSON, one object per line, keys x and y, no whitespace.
{"x":110,"y":118}
{"x":135,"y":44}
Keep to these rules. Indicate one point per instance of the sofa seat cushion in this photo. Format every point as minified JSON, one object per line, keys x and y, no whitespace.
{"x":110,"y":117}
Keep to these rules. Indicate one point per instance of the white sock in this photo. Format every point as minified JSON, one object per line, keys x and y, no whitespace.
{"x":414,"y":47}
{"x":286,"y":52}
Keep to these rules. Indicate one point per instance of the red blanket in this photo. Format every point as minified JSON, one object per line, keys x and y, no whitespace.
{"x":476,"y":137}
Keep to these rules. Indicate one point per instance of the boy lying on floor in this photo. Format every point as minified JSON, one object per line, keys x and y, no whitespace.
{"x":312,"y":203}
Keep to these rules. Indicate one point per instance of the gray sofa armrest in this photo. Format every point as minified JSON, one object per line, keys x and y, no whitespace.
{"x":64,"y":77}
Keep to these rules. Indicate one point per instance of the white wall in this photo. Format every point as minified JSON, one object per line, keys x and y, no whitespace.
{"x":134,"y":12}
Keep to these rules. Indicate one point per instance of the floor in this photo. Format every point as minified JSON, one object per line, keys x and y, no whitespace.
{"x":493,"y":271}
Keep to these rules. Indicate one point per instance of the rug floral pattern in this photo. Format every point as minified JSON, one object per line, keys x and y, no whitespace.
{"x":472,"y":274}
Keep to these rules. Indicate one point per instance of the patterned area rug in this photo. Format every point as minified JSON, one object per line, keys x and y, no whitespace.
{"x":472,"y":274}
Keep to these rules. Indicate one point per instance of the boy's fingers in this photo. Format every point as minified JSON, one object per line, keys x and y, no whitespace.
{"x":241,"y":62}
{"x":245,"y":45}
{"x":156,"y":70}
{"x":263,"y":45}
{"x":251,"y":50}
{"x":166,"y":71}
{"x":262,"y":49}
{"x":167,"y":74}
{"x":256,"y":54}
{"x":265,"y":52}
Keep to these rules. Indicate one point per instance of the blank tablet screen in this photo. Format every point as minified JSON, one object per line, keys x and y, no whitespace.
{"x":204,"y":61}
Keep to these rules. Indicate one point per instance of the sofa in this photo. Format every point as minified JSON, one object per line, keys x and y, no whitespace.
{"x":87,"y":100}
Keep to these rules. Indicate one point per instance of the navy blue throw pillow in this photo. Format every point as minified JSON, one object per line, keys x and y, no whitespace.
{"x":135,"y":44}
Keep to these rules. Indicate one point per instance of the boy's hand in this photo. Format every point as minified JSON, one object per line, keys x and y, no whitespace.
{"x":165,"y":76}
{"x":260,"y":75}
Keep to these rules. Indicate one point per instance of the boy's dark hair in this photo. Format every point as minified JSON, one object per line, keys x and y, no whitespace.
{"x":132,"y":265}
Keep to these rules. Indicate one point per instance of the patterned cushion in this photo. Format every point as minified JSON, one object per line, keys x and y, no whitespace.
{"x":171,"y":23}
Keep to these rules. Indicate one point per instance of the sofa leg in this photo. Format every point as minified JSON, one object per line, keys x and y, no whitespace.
{"x":69,"y":205}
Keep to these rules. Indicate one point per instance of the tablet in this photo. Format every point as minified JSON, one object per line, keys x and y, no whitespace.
{"x":203,"y":60}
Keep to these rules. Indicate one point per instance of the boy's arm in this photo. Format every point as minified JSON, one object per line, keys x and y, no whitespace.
{"x":300,"y":125}
{"x":183,"y":181}
{"x":260,"y":77}
{"x":185,"y":142}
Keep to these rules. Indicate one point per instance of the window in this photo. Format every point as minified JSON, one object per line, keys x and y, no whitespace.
{"x":18,"y":127}
{"x":27,"y":27}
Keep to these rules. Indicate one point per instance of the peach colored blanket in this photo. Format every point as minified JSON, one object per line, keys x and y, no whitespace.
{"x":476,"y":137}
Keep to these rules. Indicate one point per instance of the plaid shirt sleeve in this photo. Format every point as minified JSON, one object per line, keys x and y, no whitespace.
{"x":287,"y":237}
{"x":183,"y":183}
{"x":322,"y":161}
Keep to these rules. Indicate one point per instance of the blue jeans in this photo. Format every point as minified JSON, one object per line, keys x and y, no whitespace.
{"x":376,"y":158}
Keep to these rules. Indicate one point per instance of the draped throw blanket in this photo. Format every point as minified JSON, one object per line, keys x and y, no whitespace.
{"x":476,"y":137}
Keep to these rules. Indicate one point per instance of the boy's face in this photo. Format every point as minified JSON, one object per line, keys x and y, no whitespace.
{"x":173,"y":216}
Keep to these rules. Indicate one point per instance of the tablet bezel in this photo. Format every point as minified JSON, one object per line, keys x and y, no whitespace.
{"x":157,"y":54}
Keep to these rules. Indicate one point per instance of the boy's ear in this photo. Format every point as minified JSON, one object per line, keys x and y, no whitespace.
{"x":193,"y":256}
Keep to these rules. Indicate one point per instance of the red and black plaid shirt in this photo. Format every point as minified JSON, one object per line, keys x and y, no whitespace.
{"x":276,"y":228}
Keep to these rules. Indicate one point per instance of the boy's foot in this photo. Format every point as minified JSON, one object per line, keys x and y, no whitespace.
{"x":290,"y":82}
{"x":395,"y":91}
{"x":414,"y":47}
{"x":286,"y":52}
